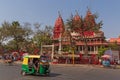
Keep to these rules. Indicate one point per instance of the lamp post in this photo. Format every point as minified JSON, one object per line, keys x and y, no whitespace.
{"x":73,"y":53}
{"x":73,"y":56}
{"x":41,"y":48}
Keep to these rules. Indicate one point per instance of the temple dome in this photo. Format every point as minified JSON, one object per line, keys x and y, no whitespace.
{"x":89,"y":19}
{"x":58,"y":28}
{"x":77,"y":17}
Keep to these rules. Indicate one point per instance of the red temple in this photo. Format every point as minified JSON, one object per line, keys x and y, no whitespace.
{"x":58,"y":28}
{"x":95,"y":40}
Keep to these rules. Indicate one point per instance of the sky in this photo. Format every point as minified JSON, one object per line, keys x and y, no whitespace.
{"x":45,"y":12}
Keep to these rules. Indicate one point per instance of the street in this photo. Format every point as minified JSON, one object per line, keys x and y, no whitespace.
{"x":61,"y":72}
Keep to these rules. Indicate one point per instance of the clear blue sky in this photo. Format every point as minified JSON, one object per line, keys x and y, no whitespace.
{"x":46,"y":12}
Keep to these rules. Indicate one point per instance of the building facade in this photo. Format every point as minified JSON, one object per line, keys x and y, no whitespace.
{"x":61,"y":36}
{"x":64,"y":40}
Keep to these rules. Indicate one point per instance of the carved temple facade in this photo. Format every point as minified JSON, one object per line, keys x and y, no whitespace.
{"x":61,"y":36}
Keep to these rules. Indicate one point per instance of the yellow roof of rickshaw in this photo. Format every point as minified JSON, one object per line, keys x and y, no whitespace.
{"x":32,"y":56}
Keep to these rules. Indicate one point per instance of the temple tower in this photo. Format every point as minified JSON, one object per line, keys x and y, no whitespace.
{"x":58,"y":28}
{"x":58,"y":32}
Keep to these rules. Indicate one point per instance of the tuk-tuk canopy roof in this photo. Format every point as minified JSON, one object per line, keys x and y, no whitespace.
{"x":32,"y":56}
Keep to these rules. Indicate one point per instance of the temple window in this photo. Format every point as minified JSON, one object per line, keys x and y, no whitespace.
{"x":77,"y":48}
{"x":88,"y":48}
{"x":92,"y":48}
{"x":91,"y":41}
{"x":80,"y":48}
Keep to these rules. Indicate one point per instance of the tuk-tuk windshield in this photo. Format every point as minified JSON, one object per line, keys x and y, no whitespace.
{"x":43,"y":58}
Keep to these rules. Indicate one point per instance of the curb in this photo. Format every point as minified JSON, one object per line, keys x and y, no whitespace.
{"x":78,"y":65}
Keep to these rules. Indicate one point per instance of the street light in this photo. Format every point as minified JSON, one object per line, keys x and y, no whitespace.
{"x":73,"y":53}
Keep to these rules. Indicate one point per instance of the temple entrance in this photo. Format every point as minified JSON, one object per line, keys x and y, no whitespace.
{"x":49,"y":50}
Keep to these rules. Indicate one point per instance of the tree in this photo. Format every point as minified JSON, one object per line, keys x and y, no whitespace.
{"x":101,"y":51}
{"x":4,"y":32}
{"x":14,"y":34}
{"x":69,"y":29}
{"x":114,"y":46}
{"x":42,"y":36}
{"x":17,"y":33}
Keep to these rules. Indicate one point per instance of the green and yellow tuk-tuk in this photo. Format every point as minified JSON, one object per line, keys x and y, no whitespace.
{"x":35,"y":64}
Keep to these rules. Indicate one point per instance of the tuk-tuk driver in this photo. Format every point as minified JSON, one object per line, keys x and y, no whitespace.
{"x":36,"y":65}
{"x":30,"y":62}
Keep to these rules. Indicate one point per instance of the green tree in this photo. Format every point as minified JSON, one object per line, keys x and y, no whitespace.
{"x":114,"y":46}
{"x":42,"y":36}
{"x":69,"y":29}
{"x":4,"y":32}
{"x":14,"y":34}
{"x":101,"y":51}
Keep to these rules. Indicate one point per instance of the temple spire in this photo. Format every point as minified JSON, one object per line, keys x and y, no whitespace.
{"x":59,"y":14}
{"x":89,"y":18}
{"x":77,"y":17}
{"x":88,"y":11}
{"x":76,"y":12}
{"x":59,"y":26}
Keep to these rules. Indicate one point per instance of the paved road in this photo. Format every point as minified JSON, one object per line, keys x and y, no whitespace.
{"x":61,"y":72}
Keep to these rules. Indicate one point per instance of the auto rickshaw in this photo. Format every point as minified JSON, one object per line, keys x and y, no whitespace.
{"x":28,"y":65}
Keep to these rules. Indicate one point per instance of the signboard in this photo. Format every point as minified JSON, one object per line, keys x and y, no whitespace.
{"x":116,"y":55}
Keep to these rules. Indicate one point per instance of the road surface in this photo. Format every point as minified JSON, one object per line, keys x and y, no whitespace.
{"x":61,"y":72}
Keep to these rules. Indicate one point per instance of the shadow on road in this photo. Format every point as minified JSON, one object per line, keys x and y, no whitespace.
{"x":54,"y":75}
{"x":50,"y":75}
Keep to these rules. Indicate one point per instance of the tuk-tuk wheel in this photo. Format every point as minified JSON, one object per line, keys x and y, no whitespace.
{"x":23,"y":73}
{"x":47,"y":74}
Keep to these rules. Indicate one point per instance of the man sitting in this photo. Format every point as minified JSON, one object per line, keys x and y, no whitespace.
{"x":36,"y":65}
